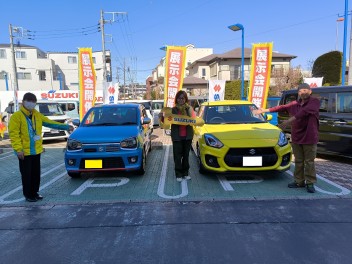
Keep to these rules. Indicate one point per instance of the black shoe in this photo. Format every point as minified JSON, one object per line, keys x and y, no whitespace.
{"x":310,"y":188}
{"x":31,"y":200}
{"x":296,"y":185}
{"x":39,"y":197}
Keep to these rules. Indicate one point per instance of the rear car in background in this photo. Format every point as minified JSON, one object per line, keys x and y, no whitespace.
{"x":271,"y":102}
{"x":53,"y":111}
{"x":157,"y":105}
{"x":234,"y":139}
{"x":109,"y":138}
{"x":147,"y":108}
{"x":335,"y":118}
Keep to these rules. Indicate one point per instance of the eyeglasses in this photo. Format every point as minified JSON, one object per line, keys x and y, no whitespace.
{"x":181,"y":98}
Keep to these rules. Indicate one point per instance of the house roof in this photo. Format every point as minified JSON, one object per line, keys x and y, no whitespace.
{"x":193,"y":80}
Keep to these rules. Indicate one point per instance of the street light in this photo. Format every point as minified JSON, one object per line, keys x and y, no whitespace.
{"x":237,"y":27}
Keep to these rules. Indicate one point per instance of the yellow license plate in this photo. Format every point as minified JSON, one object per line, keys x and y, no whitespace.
{"x":93,"y":164}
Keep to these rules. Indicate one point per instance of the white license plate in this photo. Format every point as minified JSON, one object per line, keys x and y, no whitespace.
{"x":252,"y":161}
{"x":54,"y":131}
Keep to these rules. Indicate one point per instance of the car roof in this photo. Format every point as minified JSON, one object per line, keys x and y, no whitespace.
{"x":323,"y":89}
{"x":227,"y":102}
{"x":135,"y":105}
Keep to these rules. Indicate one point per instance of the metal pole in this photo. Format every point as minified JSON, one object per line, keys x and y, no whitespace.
{"x":344,"y":45}
{"x":14,"y":70}
{"x":103,"y":42}
{"x":242,"y":68}
{"x":350,"y":57}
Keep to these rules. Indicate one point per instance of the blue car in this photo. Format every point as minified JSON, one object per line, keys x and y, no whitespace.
{"x":112,"y":137}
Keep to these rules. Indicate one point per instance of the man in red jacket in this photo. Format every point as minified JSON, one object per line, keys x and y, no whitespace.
{"x":304,"y":120}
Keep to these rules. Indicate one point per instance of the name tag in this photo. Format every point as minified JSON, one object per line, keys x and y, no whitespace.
{"x":36,"y":138}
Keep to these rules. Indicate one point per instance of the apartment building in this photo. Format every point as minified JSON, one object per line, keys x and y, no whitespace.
{"x":39,"y":70}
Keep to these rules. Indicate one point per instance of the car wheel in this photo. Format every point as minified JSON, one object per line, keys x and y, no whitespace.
{"x":202,"y":170}
{"x":150,"y":145}
{"x":141,"y":169}
{"x":74,"y":174}
{"x":4,"y":119}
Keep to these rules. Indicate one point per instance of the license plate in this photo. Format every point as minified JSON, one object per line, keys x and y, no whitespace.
{"x":252,"y":161}
{"x":93,"y":164}
{"x":53,"y":131}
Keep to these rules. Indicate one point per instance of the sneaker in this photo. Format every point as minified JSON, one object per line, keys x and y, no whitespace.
{"x":179,"y":179}
{"x":31,"y":200}
{"x":296,"y":185}
{"x":187,"y":177}
{"x":310,"y":188}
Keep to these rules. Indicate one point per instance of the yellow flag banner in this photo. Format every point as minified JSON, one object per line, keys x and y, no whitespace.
{"x":260,"y":74}
{"x":172,"y":119}
{"x":87,"y":81}
{"x":174,"y":72}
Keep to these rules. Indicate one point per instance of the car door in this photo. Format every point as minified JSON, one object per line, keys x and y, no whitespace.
{"x":336,"y":125}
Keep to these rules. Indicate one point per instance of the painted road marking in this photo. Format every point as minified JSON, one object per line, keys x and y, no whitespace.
{"x":2,"y":198}
{"x":344,"y":191}
{"x":226,"y":184}
{"x":89,"y":184}
{"x":161,"y":186}
{"x":8,"y":156}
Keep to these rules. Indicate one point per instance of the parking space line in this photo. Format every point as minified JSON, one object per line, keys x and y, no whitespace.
{"x":89,"y":184}
{"x":161,"y":186}
{"x":2,"y":201}
{"x":8,"y":156}
{"x":226,"y":184}
{"x":344,"y":191}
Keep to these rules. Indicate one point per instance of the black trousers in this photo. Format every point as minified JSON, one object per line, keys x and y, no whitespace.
{"x":181,"y":157}
{"x":30,"y":172}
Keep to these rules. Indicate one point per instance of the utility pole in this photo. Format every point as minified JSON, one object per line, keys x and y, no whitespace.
{"x":124,"y":80}
{"x":102,"y":21}
{"x":349,"y":79}
{"x":14,"y":71}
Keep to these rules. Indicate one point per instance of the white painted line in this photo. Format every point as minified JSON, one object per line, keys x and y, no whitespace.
{"x":161,"y":187}
{"x":344,"y":191}
{"x":19,"y":188}
{"x":89,"y":184}
{"x":8,"y":156}
{"x":226,"y":184}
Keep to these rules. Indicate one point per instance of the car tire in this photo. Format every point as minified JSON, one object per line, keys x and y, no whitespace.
{"x":141,"y":169}
{"x":150,"y":145}
{"x":74,"y":174}
{"x":202,"y":170}
{"x":4,"y":119}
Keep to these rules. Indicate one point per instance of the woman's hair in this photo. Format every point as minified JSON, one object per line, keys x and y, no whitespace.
{"x":179,"y":93}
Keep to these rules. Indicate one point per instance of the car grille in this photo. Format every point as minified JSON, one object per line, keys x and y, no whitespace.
{"x":101,"y":148}
{"x":49,"y":134}
{"x":234,"y":157}
{"x":108,"y":163}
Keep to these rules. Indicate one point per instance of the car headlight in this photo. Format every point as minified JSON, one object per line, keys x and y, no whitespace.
{"x":212,"y":141}
{"x":73,"y":144}
{"x":282,"y":140}
{"x":129,"y":143}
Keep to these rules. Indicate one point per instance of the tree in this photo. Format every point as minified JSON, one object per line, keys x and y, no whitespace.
{"x":285,"y":80}
{"x":329,"y":66}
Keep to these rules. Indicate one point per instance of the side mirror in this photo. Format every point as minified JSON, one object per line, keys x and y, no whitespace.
{"x":76,"y":122}
{"x":146,"y":120}
{"x":268,"y":117}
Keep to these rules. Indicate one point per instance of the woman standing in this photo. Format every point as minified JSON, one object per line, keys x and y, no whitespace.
{"x":181,"y":137}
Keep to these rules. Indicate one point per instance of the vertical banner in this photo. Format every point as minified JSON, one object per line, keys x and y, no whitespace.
{"x":216,"y":90}
{"x":87,"y":81}
{"x":110,"y":93}
{"x":260,"y":74}
{"x":174,"y":72}
{"x":314,"y":82}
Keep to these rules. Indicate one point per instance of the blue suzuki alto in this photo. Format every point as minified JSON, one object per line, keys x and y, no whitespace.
{"x":112,"y":137}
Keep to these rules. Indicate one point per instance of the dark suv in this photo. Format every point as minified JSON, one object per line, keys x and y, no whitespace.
{"x":335,"y":121}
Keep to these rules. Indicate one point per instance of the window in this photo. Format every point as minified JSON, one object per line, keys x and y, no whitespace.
{"x":42,"y":76}
{"x":20,"y":54}
{"x":213,"y":70}
{"x":2,"y":54}
{"x":94,"y":60}
{"x":24,"y":76}
{"x":344,"y":103}
{"x":324,"y":101}
{"x":3,"y":74}
{"x":235,"y":72}
{"x":203,"y":72}
{"x":72,"y":59}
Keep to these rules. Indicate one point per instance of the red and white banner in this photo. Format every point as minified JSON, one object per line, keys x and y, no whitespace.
{"x":110,"y":93}
{"x":86,"y":80}
{"x":216,"y":90}
{"x":314,"y":82}
{"x":260,"y":74}
{"x":174,"y":72}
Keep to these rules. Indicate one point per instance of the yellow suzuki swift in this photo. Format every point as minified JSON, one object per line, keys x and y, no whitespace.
{"x":234,"y":139}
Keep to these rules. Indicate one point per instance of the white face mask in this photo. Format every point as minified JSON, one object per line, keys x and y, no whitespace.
{"x":29,"y":105}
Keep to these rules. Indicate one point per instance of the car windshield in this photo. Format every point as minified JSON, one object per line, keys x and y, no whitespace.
{"x":49,"y":109}
{"x":111,"y":116}
{"x":157,"y":105}
{"x":232,"y":114}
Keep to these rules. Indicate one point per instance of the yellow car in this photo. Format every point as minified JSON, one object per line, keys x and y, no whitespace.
{"x":234,"y":139}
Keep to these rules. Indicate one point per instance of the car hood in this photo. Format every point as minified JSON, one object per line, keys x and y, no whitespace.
{"x":101,"y":134}
{"x":243,"y":131}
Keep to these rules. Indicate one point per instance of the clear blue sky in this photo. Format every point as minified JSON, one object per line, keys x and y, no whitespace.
{"x":305,"y":28}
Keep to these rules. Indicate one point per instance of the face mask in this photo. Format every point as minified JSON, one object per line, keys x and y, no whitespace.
{"x":29,"y":105}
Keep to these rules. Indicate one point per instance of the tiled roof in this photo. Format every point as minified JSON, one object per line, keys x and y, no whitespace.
{"x":193,"y":80}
